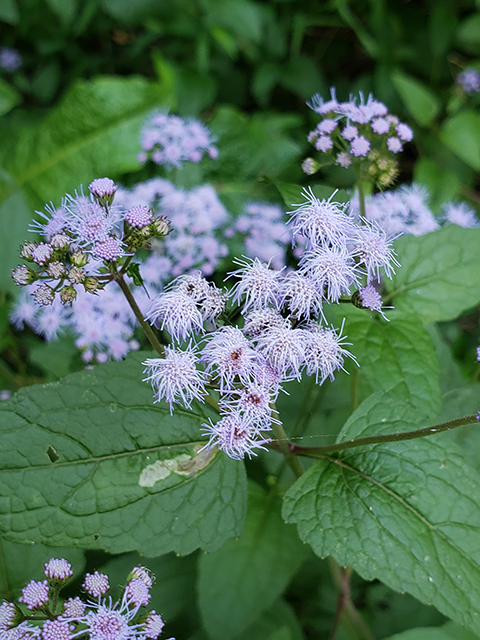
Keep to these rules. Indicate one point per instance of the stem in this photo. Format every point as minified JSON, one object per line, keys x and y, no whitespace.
{"x":284,"y":446}
{"x":361,"y":189}
{"x":318,"y":452}
{"x":138,"y":314}
{"x":345,"y":607}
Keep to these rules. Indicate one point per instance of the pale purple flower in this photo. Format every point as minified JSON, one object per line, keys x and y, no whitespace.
{"x":56,"y":630}
{"x":394,"y":144}
{"x":55,"y":220}
{"x":324,"y":352}
{"x":175,"y":378}
{"x":309,"y":166}
{"x":7,"y":615}
{"x":381,"y":126}
{"x":177,"y":313}
{"x":73,"y":608}
{"x":42,"y":253}
{"x":35,"y":594}
{"x":137,"y":593}
{"x":253,"y":401}
{"x":478,"y":354}
{"x":469,"y":80}
{"x":24,"y":631}
{"x":301,"y":295}
{"x":461,"y":214}
{"x":56,"y":269}
{"x":284,"y":349}
{"x":228,"y":354}
{"x":258,"y":321}
{"x":22,"y":275}
{"x":58,"y":569}
{"x":153,"y":625}
{"x":370,"y":299}
{"x":344,"y":159}
{"x":332,"y":269}
{"x":324,"y":143}
{"x":321,"y":106}
{"x":235,"y":435}
{"x":320,"y":221}
{"x":373,"y":248}
{"x":327,"y":126}
{"x":96,"y":584}
{"x":360,"y":146}
{"x":404,"y":132}
{"x":108,"y":624}
{"x":109,"y":249}
{"x":87,"y":220}
{"x":258,"y":284}
{"x":138,"y":216}
{"x":10,"y":59}
{"x":144,"y":574}
{"x":350,"y":132}
{"x":103,"y":188}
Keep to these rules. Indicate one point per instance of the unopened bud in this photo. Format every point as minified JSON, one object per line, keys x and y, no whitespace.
{"x":79,"y":259}
{"x":76,"y":275}
{"x":67,"y":294}
{"x":91,"y":284}
{"x":27,"y":249}
{"x":23,"y":275}
{"x":310,"y":166}
{"x":161,"y":226}
{"x":60,"y":241}
{"x":56,"y":270}
{"x":103,"y":190}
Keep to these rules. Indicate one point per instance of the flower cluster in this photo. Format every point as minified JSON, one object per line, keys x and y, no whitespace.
{"x":360,"y":133}
{"x":96,"y":616}
{"x":407,"y":210}
{"x":282,"y":332}
{"x":169,"y":140}
{"x":469,"y":80}
{"x":10,"y":59}
{"x":82,"y":239}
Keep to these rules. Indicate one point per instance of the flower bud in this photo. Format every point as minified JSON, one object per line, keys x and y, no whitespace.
{"x":161,"y":226}
{"x":23,"y":275}
{"x":67,"y":294}
{"x":26,"y":250}
{"x":103,"y":190}
{"x":79,"y":259}
{"x":60,"y":241}
{"x":91,"y":284}
{"x":76,"y":275}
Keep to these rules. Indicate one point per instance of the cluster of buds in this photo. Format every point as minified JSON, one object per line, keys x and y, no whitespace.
{"x":40,"y":613}
{"x":84,"y":241}
{"x":283,"y":332}
{"x":362,"y":134}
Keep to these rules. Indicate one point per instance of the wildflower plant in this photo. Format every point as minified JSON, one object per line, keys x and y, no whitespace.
{"x":316,"y":353}
{"x":42,"y":612}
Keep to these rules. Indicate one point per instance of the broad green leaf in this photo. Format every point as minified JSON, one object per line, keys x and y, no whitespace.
{"x":241,"y":17}
{"x":91,"y":462}
{"x":420,"y":101}
{"x":468,"y":34}
{"x":128,"y":12}
{"x":406,"y":513}
{"x":9,"y":97}
{"x":278,"y":618}
{"x":439,"y":276}
{"x":244,"y":577}
{"x":174,"y":588}
{"x":64,"y":9}
{"x":9,"y":11}
{"x":397,"y":355}
{"x":458,"y":633}
{"x":450,"y":631}
{"x":21,"y":563}
{"x":294,"y":194}
{"x":15,"y":216}
{"x":461,"y":134}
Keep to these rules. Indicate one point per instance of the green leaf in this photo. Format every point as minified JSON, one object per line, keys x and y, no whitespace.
{"x":450,"y":631}
{"x":9,"y":97}
{"x":394,"y":356}
{"x":420,"y":101}
{"x":468,"y":34}
{"x":64,"y":9}
{"x":15,"y":216}
{"x":406,"y":513}
{"x":278,"y":618}
{"x":293,"y":194}
{"x":461,"y":134}
{"x":439,"y":276}
{"x":244,"y":577}
{"x":128,"y":475}
{"x":9,"y":12}
{"x":173,"y":590}
{"x":21,"y":563}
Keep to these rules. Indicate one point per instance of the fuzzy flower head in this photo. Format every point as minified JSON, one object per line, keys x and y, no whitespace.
{"x":229,"y":355}
{"x":235,"y":435}
{"x":301,"y":296}
{"x":137,"y":593}
{"x":258,"y":284}
{"x":144,"y":574}
{"x":373,"y":247}
{"x":259,"y":321}
{"x":320,"y":222}
{"x":175,"y":378}
{"x":332,"y":270}
{"x":7,"y":615}
{"x":177,"y":313}
{"x":461,"y":214}
{"x":103,"y":190}
{"x":56,"y":630}
{"x":284,"y":349}
{"x":73,"y":608}
{"x":153,"y":625}
{"x":324,"y":353}
{"x":469,"y":80}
